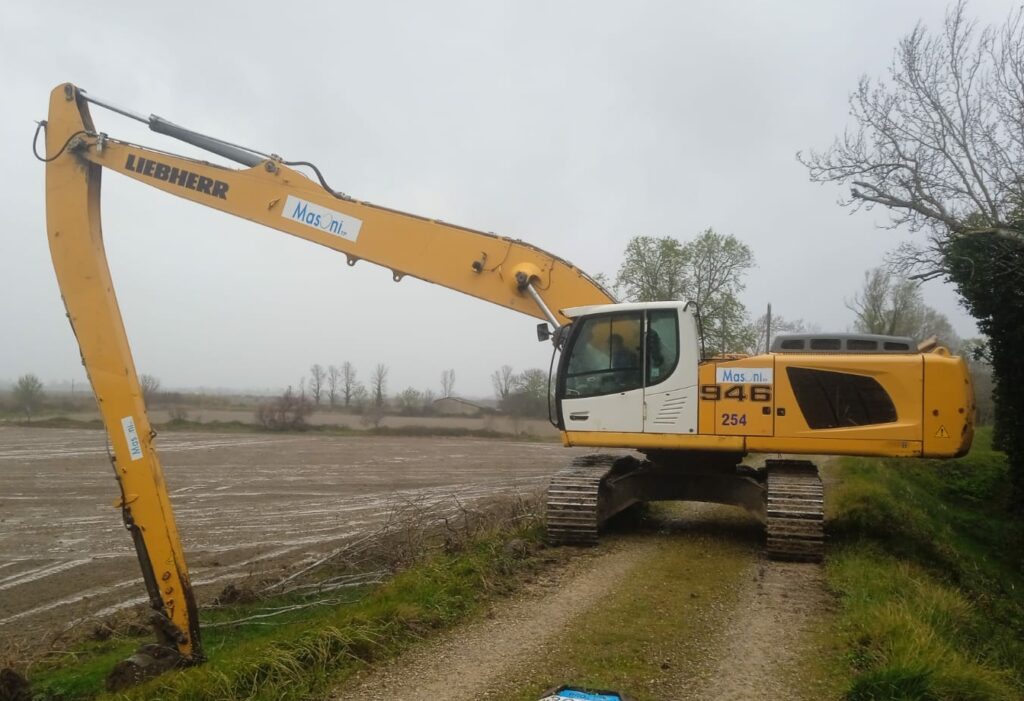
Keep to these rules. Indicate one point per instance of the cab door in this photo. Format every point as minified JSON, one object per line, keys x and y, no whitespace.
{"x":603,"y":388}
{"x":670,"y":390}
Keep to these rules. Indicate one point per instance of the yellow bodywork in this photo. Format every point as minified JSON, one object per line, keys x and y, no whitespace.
{"x":931,"y":393}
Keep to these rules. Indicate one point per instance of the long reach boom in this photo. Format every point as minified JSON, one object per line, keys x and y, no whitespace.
{"x":500,"y":270}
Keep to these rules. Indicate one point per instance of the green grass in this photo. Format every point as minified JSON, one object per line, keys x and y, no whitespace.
{"x":306,"y":651}
{"x":927,"y":565}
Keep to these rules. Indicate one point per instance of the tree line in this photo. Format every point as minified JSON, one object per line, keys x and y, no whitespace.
{"x":338,"y":387}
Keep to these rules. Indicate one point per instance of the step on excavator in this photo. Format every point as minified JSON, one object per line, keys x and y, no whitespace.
{"x":631,"y":378}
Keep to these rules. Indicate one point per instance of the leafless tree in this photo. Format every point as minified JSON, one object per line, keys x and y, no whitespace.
{"x":503,"y":380}
{"x":447,"y":383}
{"x":360,"y":397}
{"x":349,"y":385}
{"x":379,"y":382}
{"x":150,"y":385}
{"x":333,"y":384}
{"x":317,"y":375}
{"x":940,"y":144}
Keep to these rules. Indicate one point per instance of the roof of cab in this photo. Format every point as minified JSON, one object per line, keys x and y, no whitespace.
{"x":573,"y":312}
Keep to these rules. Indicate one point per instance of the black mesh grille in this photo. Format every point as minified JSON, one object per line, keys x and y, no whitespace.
{"x":838,"y":399}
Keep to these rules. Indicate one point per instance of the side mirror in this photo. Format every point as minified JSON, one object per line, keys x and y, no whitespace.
{"x":543,"y":332}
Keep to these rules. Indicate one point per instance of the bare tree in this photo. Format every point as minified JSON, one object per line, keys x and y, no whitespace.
{"x":503,"y":381}
{"x":150,"y":385}
{"x":379,"y":382}
{"x":940,"y":144}
{"x":333,"y":384}
{"x":28,"y":394}
{"x":317,"y":375}
{"x":360,"y":397}
{"x":349,"y":385}
{"x":447,"y":383}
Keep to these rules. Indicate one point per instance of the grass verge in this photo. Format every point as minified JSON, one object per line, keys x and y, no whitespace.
{"x":927,"y":565}
{"x":302,"y":652}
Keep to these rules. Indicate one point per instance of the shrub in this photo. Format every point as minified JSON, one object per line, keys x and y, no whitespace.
{"x":287,"y":412}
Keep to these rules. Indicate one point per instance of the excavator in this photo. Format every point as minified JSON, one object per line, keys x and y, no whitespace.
{"x":631,"y":378}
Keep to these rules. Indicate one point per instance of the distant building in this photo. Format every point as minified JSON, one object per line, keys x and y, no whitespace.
{"x":453,"y":406}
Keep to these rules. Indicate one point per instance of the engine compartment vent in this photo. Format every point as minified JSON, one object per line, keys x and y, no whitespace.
{"x":842,"y":343}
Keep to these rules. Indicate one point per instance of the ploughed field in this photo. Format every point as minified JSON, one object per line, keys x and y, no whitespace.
{"x":245,"y":504}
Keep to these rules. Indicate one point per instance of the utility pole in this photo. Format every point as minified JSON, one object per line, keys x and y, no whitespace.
{"x":768,"y":330}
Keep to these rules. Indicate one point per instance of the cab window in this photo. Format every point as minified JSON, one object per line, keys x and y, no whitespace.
{"x":662,"y":344}
{"x":606,"y":356}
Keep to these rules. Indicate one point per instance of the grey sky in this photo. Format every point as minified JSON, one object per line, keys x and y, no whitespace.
{"x":571,"y":125}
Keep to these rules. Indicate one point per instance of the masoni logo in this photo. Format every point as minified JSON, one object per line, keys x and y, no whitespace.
{"x":743,"y":376}
{"x":317,"y":217}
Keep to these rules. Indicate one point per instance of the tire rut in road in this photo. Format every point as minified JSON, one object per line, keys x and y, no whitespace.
{"x":766,"y":651}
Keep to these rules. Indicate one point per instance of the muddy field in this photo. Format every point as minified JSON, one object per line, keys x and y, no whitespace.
{"x":245,"y":504}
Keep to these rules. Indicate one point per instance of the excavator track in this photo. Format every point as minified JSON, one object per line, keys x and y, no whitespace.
{"x":795,"y":516}
{"x":571,"y":505}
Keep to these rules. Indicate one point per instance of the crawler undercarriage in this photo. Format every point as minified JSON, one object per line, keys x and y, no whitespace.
{"x":786,"y":495}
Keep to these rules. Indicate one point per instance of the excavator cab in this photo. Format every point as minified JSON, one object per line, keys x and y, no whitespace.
{"x":629,"y":368}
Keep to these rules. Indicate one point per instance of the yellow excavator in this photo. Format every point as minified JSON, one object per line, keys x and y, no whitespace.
{"x":629,"y":376}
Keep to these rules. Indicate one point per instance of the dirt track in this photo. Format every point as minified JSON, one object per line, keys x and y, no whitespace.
{"x":244,"y":503}
{"x":465,"y":664}
{"x":755,"y":638}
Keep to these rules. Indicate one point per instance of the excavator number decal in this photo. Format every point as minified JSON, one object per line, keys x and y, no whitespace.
{"x":734,"y":419}
{"x":739,"y":393}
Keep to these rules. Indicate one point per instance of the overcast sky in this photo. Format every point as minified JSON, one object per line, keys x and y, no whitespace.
{"x":573,"y":126}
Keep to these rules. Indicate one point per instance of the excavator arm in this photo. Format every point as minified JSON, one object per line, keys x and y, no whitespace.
{"x":500,"y":270}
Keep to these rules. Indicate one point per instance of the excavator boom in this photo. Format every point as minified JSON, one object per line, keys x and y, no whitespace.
{"x":500,"y":270}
